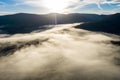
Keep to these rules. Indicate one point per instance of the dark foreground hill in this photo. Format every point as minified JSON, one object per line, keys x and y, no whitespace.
{"x":23,"y":23}
{"x":111,"y":24}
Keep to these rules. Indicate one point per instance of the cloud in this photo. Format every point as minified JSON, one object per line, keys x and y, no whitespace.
{"x":2,"y":4}
{"x":7,"y":12}
{"x":67,"y":54}
{"x":72,"y":4}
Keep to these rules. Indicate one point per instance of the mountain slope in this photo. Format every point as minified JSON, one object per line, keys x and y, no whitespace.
{"x":23,"y":23}
{"x":111,"y":24}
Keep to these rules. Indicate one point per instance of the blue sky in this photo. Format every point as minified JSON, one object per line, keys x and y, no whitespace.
{"x":73,"y":6}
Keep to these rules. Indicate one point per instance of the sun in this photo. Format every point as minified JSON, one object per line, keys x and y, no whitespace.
{"x":57,"y":6}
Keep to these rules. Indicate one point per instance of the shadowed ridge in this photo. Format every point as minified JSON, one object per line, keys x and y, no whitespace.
{"x":10,"y":48}
{"x":25,"y":23}
{"x":110,"y":24}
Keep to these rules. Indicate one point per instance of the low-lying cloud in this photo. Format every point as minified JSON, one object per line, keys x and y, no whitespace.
{"x":62,"y":53}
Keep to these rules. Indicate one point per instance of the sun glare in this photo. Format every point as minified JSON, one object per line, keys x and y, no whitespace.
{"x":56,"y":5}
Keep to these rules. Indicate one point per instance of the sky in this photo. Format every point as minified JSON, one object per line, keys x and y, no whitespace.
{"x":59,"y":6}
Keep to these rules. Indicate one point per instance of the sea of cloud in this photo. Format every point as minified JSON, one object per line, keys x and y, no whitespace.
{"x":61,"y":53}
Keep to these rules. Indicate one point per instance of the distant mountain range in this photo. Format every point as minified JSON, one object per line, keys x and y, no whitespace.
{"x":24,"y":23}
{"x":110,"y":24}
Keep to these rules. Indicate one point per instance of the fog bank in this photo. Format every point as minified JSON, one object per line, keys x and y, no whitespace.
{"x":61,"y":53}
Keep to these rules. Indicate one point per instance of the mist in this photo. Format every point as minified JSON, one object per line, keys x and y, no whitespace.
{"x":60,"y":53}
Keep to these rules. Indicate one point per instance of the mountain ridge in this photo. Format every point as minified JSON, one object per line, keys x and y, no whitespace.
{"x":110,"y":24}
{"x":25,"y":23}
{"x":29,"y":22}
